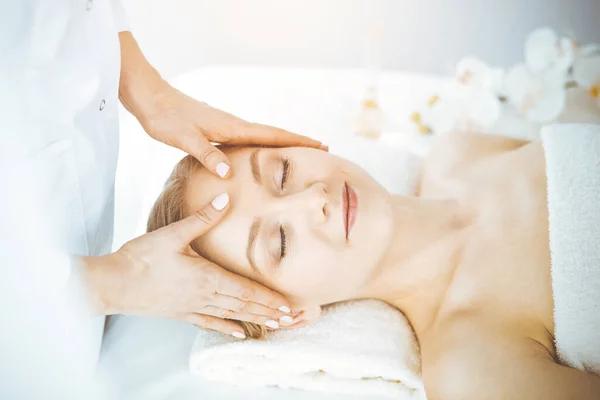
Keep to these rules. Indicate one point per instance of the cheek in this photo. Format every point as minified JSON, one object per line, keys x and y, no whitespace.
{"x":224,"y":246}
{"x":306,"y":272}
{"x":321,"y":276}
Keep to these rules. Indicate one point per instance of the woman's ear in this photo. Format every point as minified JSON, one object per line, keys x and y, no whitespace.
{"x":306,"y":316}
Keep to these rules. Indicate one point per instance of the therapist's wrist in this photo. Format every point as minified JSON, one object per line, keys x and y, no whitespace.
{"x":105,"y":279}
{"x":140,"y":84}
{"x":139,"y":95}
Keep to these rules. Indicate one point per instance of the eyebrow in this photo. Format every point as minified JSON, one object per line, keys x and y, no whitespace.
{"x":252,"y":236}
{"x":255,"y":166}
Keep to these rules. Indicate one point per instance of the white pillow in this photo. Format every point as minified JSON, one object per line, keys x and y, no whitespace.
{"x":395,"y":166}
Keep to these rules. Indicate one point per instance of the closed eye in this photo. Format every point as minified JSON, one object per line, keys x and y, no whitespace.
{"x":286,"y":171}
{"x":283,"y":249}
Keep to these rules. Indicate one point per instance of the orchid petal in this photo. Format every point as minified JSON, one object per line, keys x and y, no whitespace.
{"x":589,"y":49}
{"x":443,"y":117}
{"x":565,"y":54}
{"x":470,"y":70}
{"x":541,"y":49}
{"x":586,"y":71}
{"x":540,"y":97}
{"x":548,"y":107}
{"x":517,"y":83}
{"x":484,"y":110}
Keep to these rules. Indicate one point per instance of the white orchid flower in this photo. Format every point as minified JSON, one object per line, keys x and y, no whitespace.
{"x":438,"y":116}
{"x":471,"y":71}
{"x":478,"y":107}
{"x":586,"y":72}
{"x":544,"y":50}
{"x":442,"y":115}
{"x":534,"y":92}
{"x":461,"y":108}
{"x":538,"y":97}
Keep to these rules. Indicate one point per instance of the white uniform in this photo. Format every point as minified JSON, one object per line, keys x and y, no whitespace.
{"x":59,"y":77}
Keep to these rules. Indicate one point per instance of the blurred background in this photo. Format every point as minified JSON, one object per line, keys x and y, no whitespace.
{"x":427,"y":36}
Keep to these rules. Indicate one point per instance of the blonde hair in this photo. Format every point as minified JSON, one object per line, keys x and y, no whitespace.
{"x":169,"y":208}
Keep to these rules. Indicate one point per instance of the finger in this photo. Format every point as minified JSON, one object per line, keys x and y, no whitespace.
{"x":208,"y":155}
{"x":258,"y":134}
{"x":181,"y":233}
{"x":244,"y":289}
{"x":248,"y":307}
{"x":295,"y":324}
{"x":298,"y":321}
{"x":216,"y":324}
{"x":243,"y":316}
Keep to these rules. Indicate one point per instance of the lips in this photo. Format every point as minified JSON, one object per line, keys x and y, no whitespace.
{"x":350,"y":204}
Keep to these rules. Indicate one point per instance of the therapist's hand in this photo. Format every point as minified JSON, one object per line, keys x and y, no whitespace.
{"x":158,"y":274}
{"x":180,"y":121}
{"x":190,"y":125}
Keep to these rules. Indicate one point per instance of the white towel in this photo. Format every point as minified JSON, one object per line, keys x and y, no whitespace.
{"x":573,"y":171}
{"x":365,"y":347}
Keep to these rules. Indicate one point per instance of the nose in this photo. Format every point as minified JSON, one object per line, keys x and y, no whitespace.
{"x":311,"y":202}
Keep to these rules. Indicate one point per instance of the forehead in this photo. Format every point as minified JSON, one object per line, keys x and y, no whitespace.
{"x":202,"y":187}
{"x":226,"y":242}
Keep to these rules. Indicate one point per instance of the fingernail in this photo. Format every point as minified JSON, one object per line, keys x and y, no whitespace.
{"x":324,"y":147}
{"x":220,"y":201}
{"x":238,"y":335}
{"x":222,"y":169}
{"x":272,"y":324}
{"x":286,"y":320}
{"x":285,"y":309}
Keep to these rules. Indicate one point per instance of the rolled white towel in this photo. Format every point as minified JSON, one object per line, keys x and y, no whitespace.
{"x":365,"y":347}
{"x":573,"y":171}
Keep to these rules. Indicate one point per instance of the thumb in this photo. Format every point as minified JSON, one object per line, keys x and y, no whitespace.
{"x":208,"y":155}
{"x":183,"y":232}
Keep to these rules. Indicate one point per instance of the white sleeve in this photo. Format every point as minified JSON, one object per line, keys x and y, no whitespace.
{"x":119,"y":15}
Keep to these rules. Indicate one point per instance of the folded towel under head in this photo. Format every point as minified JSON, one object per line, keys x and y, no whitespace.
{"x":573,"y":172}
{"x":365,"y":347}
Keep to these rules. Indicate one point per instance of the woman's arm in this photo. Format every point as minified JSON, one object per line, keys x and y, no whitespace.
{"x":481,"y":363}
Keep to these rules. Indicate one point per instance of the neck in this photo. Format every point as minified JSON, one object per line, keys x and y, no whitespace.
{"x":417,"y":271}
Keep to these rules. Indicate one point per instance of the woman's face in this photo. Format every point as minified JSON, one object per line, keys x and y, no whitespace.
{"x":286,"y":226}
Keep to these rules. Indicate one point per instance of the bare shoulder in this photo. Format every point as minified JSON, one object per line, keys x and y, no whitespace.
{"x":453,"y":153}
{"x":467,"y":358}
{"x":467,"y":147}
{"x":450,"y":353}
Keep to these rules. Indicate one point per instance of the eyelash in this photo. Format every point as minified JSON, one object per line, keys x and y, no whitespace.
{"x":283,"y":243}
{"x":284,"y":178}
{"x":286,"y":172}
